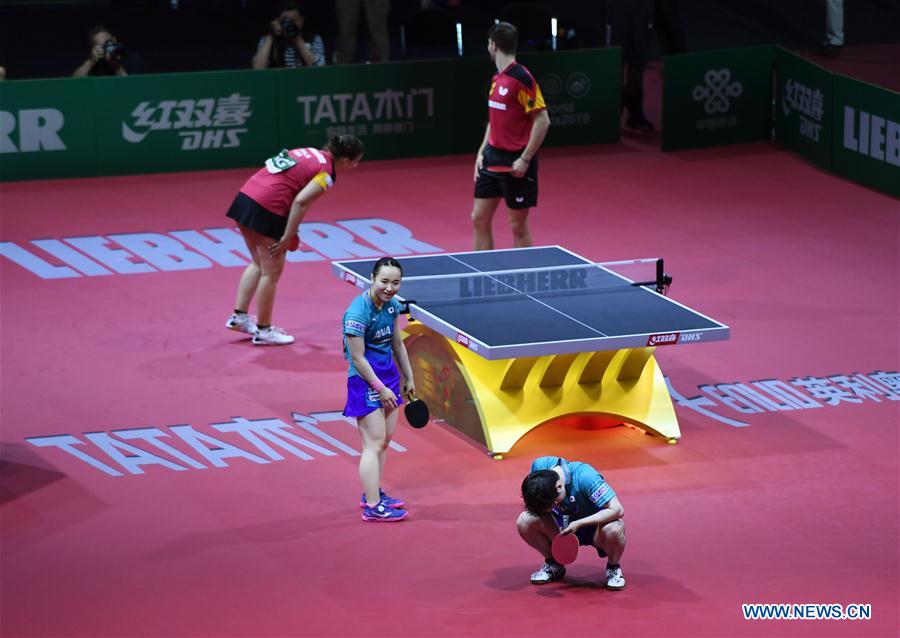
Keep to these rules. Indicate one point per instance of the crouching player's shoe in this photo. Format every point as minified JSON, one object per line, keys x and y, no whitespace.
{"x":387,"y":500}
{"x":382,"y":512}
{"x":614,"y":578}
{"x":549,"y":572}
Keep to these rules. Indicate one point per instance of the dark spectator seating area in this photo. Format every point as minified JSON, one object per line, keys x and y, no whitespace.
{"x":47,"y":38}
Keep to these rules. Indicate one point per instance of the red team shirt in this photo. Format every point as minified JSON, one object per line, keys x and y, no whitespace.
{"x":514,"y":97}
{"x":275,"y":186}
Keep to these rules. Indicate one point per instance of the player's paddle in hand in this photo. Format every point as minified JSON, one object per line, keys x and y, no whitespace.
{"x":416,"y":411}
{"x":564,"y":548}
{"x":498,"y":169}
{"x":294,"y":244}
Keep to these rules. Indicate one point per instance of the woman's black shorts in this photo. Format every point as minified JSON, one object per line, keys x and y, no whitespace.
{"x":247,"y":212}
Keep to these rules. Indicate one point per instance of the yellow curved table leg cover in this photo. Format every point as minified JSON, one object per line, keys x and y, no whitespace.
{"x":497,"y":402}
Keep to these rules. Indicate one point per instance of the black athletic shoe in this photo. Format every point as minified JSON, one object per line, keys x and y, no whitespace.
{"x":639,"y":123}
{"x":830,"y":50}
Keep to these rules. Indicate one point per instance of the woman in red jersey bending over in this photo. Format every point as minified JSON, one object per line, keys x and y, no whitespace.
{"x":268,"y":211}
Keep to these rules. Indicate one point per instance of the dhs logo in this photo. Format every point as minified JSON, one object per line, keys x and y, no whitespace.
{"x":689,"y":337}
{"x":201,"y":123}
{"x":462,"y":339}
{"x":349,"y":277}
{"x":667,"y":339}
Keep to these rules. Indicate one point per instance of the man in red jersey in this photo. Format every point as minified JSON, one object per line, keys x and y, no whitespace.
{"x":517,"y":125}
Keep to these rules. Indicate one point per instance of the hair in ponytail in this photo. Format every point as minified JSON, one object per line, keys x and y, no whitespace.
{"x":348,"y":146}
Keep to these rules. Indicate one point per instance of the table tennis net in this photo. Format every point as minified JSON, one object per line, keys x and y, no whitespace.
{"x":509,"y":284}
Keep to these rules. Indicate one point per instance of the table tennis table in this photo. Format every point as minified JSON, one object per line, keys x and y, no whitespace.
{"x":503,"y":341}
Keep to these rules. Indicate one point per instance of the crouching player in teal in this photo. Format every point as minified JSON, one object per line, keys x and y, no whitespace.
{"x":371,"y":341}
{"x":563,"y":497}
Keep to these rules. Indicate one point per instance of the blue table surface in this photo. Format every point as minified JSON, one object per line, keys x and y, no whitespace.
{"x":482,"y":308}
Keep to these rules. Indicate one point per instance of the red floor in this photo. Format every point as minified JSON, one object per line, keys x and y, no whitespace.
{"x":794,"y":506}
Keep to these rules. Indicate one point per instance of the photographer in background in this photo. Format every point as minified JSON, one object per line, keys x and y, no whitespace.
{"x":107,"y":55}
{"x":286,"y":45}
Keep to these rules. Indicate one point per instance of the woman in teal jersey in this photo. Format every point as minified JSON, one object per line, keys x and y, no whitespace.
{"x":371,"y":343}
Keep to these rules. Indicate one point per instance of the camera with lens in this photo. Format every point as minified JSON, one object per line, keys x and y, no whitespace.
{"x":289,"y":28}
{"x":114,"y":51}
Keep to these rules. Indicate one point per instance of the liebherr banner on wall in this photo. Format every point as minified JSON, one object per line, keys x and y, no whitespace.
{"x":866,"y":146}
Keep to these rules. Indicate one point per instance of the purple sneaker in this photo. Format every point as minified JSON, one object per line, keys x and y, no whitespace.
{"x":383,"y":513}
{"x":387,"y":500}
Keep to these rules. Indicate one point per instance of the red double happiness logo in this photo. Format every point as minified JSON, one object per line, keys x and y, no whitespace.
{"x":349,"y":276}
{"x":462,"y":339}
{"x":667,"y":339}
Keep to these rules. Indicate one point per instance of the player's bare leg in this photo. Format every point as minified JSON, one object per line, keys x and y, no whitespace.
{"x":518,"y":223}
{"x":250,"y":277}
{"x":272,"y":268}
{"x":538,"y":532}
{"x":373,"y":430}
{"x":482,"y":216}
{"x":390,"y":426}
{"x":611,"y":539}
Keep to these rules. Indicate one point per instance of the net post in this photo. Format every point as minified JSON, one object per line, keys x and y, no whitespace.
{"x":662,"y":279}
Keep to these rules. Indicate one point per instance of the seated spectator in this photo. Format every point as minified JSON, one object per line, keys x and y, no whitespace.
{"x":287,"y":45}
{"x":107,"y":56}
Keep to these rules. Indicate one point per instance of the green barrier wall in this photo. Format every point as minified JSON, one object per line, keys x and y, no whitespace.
{"x":47,"y":129}
{"x":841,"y":124}
{"x":717,"y":97}
{"x":866,"y":141}
{"x":398,"y":110}
{"x":803,"y":107}
{"x":184,"y":122}
{"x":196,"y":121}
{"x":583,"y":96}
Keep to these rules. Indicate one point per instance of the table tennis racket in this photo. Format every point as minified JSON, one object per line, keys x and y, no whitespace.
{"x":294,"y":244}
{"x":416,"y":411}
{"x":564,"y":548}
{"x":498,"y":169}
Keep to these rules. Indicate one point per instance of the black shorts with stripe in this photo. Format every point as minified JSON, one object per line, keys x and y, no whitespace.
{"x":247,"y":212}
{"x":518,"y":192}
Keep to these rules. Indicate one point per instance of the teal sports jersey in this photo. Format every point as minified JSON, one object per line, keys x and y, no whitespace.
{"x":376,"y":327}
{"x":587,"y":492}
